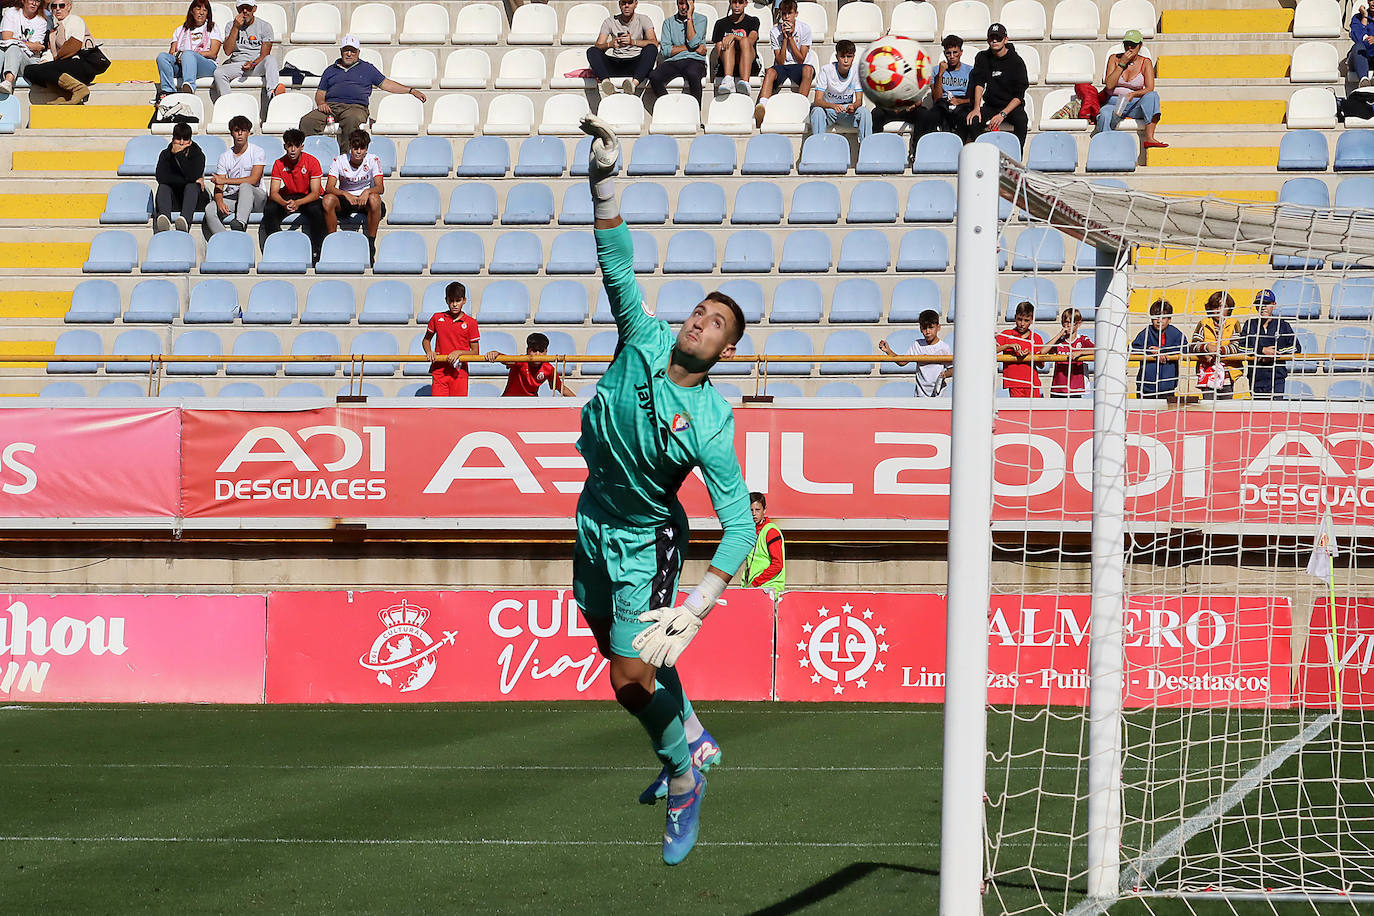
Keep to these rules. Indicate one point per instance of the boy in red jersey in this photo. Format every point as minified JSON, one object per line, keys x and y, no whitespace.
{"x":1070,"y":378}
{"x":1022,"y":343}
{"x":457,"y":336}
{"x":525,"y":379}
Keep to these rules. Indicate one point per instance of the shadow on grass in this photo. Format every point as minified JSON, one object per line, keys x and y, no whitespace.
{"x":839,"y":881}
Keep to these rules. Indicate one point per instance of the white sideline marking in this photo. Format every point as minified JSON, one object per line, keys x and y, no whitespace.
{"x":439,"y":766}
{"x":485,"y":841}
{"x":761,"y":706}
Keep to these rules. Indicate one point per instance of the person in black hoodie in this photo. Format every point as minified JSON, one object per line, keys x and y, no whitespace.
{"x":998,"y":86}
{"x":180,"y":181}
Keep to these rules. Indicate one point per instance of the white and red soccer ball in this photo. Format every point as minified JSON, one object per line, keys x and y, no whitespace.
{"x":895,"y":70}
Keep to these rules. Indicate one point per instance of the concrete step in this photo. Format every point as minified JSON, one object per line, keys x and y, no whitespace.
{"x":1225,"y":21}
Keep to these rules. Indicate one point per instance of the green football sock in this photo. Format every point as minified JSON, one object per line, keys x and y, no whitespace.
{"x":660,"y":719}
{"x":667,"y":677}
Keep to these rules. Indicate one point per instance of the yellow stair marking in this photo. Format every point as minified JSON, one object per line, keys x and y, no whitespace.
{"x":31,"y":256}
{"x":1190,"y":304}
{"x":29,"y":304}
{"x":37,"y":207}
{"x":1214,"y":157}
{"x":1223,"y":66}
{"x":128,"y":71}
{"x":1188,"y":257}
{"x":27,"y":348}
{"x":1248,"y":196}
{"x":89,"y":117}
{"x":109,"y":28}
{"x":1201,"y":22}
{"x":1253,"y":111}
{"x":67,"y":160}
{"x":18,"y":394}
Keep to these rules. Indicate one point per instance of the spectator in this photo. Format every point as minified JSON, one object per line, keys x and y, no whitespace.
{"x":734,"y":37}
{"x":1160,"y":344}
{"x":793,"y":59}
{"x":296,"y":187}
{"x":1362,"y":49}
{"x":998,"y":83}
{"x":68,"y":73}
{"x":1131,"y":82}
{"x":766,"y":565}
{"x":930,"y":376}
{"x":457,"y":336}
{"x":249,"y":46}
{"x":344,"y":91}
{"x":195,"y":45}
{"x":1022,"y":343}
{"x":950,"y":103}
{"x":180,"y":181}
{"x":838,"y":98}
{"x":238,"y":175}
{"x":682,"y":51}
{"x":23,"y":35}
{"x":1268,"y":340}
{"x":627,"y":46}
{"x":1216,"y":336}
{"x":1070,"y":379}
{"x":354,"y":188}
{"x":523,"y":380}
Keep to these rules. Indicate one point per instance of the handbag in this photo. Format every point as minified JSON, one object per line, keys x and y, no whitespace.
{"x":94,"y":58}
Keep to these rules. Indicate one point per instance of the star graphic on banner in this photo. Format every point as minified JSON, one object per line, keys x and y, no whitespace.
{"x":863,"y":683}
{"x":880,"y":630}
{"x":823,"y":611}
{"x":801,"y":647}
{"x":839,"y":688}
{"x":806,"y":628}
{"x":882,"y":647}
{"x":879,"y":666}
{"x":804,"y":662}
{"x":868,"y":615}
{"x":847,"y":608}
{"x":815,"y":678}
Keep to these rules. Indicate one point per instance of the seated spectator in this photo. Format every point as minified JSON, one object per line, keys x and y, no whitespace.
{"x":237,"y":176}
{"x":1022,"y":344}
{"x":23,"y":35}
{"x":296,"y":187}
{"x":248,"y":44}
{"x":180,"y":181}
{"x":949,"y":99}
{"x":67,"y":73}
{"x":1131,"y":82}
{"x":1217,"y":335}
{"x":195,"y":45}
{"x":682,"y":51}
{"x":1070,"y":378}
{"x":735,"y":35}
{"x":1160,"y":344}
{"x":1268,"y":340}
{"x":354,"y":188}
{"x":523,"y":380}
{"x":1362,"y":49}
{"x":838,"y":98}
{"x":998,"y":84}
{"x":627,"y":47}
{"x":930,"y":376}
{"x":793,"y":60}
{"x":344,"y":91}
{"x":457,"y":336}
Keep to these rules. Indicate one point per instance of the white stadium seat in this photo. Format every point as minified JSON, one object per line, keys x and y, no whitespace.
{"x":533,"y":24}
{"x":582,"y":23}
{"x":915,"y":20}
{"x":1032,"y":58}
{"x":1075,"y":20}
{"x":479,"y":24}
{"x":813,"y":14}
{"x":624,"y":112}
{"x":731,"y":115}
{"x":317,"y":24}
{"x":969,"y":19}
{"x":273,"y":14}
{"x":425,"y":24}
{"x":466,"y":68}
{"x":234,"y":103}
{"x":1315,"y":62}
{"x":1318,"y":19}
{"x":562,"y":112}
{"x":678,"y":115}
{"x":510,"y":115}
{"x":373,"y":23}
{"x":1132,"y":14}
{"x":859,"y":22}
{"x":1055,"y":100}
{"x":786,"y":114}
{"x":454,"y":114}
{"x":1312,"y":106}
{"x":570,"y":60}
{"x":286,"y":110}
{"x":373,"y":57}
{"x":415,"y":67}
{"x":1071,"y":63}
{"x":522,"y":68}
{"x":655,"y":14}
{"x":399,"y":115}
{"x":308,"y":60}
{"x":1025,"y":21}
{"x":189,"y":100}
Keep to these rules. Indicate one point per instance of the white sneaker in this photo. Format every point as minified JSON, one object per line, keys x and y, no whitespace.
{"x":180,"y":224}
{"x":723,"y":88}
{"x":607,"y":87}
{"x":1364,"y":81}
{"x":162,"y":224}
{"x":742,"y":87}
{"x":6,"y":87}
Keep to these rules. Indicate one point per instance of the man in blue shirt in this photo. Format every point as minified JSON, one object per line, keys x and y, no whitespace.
{"x":1159,"y":344}
{"x":344,"y":91}
{"x":1265,"y":337}
{"x":682,"y":51}
{"x":949,"y":99}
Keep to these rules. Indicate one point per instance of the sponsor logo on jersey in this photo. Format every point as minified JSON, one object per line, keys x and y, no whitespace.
{"x":681,"y":422}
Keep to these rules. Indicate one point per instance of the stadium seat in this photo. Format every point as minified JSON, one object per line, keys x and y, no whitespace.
{"x":314,"y":343}
{"x":1024,"y":19}
{"x":419,"y":390}
{"x":285,"y":253}
{"x":1070,"y":63}
{"x":491,"y":340}
{"x":1031,"y":58}
{"x":710,"y":155}
{"x":191,"y":106}
{"x":676,"y":300}
{"x":653,"y":156}
{"x":915,"y":19}
{"x":62,"y":389}
{"x":384,"y":148}
{"x":1052,"y":152}
{"x":128,"y":203}
{"x":458,"y":253}
{"x":767,"y":154}
{"x":533,"y":25}
{"x":824,"y":154}
{"x":11,"y":114}
{"x":577,"y":205}
{"x":865,"y":250}
{"x":123,"y":390}
{"x":455,"y":114}
{"x":317,"y":24}
{"x":76,"y":343}
{"x":562,"y":302}
{"x":1039,"y":248}
{"x":529,"y":203}
{"x":170,"y":252}
{"x":805,"y":251}
{"x":229,"y":252}
{"x":1298,"y":390}
{"x":212,"y":302}
{"x":284,"y":112}
{"x":231,"y":106}
{"x":466,"y":68}
{"x":111,"y":252}
{"x":471,"y":204}
{"x":325,"y":149}
{"x":582,"y":24}
{"x":194,"y":343}
{"x":644,"y":203}
{"x":1312,"y":106}
{"x":140,"y":156}
{"x":733,"y":115}
{"x":700,"y":203}
{"x":1308,"y":341}
{"x":881,"y":154}
{"x":1347,"y":341}
{"x":967,"y":17}
{"x":540,"y":157}
{"x":1318,"y":19}
{"x":425,"y":24}
{"x":1352,"y":299}
{"x":374,"y":344}
{"x":749,"y":251}
{"x":776,"y":389}
{"x":937,"y":154}
{"x":1354,"y":151}
{"x":1300,"y":299}
{"x":1354,"y":193}
{"x":1004,"y":140}
{"x":676,"y":115}
{"x":602,"y":343}
{"x":789,"y":342}
{"x":516,"y":253}
{"x":923,"y":249}
{"x":757,"y":203}
{"x":306,"y":60}
{"x":135,"y":342}
{"x":270,"y":302}
{"x":577,"y":164}
{"x":725,"y":389}
{"x":910,"y":298}
{"x":301,"y":390}
{"x":857,"y":300}
{"x":1126,"y":15}
{"x":930,"y":201}
{"x":399,"y":115}
{"x":624,"y":112}
{"x":1075,"y":20}
{"x":796,"y":301}
{"x":839,"y":390}
{"x":787,"y":113}
{"x":1040,"y":292}
{"x":1308,"y":192}
{"x":1112,"y":151}
{"x":401,"y":253}
{"x":748,"y":295}
{"x":329,"y":302}
{"x":479,"y":24}
{"x":428,"y":157}
{"x":572,"y":253}
{"x":94,"y":302}
{"x":521,"y":68}
{"x":646,"y":251}
{"x":431,"y":303}
{"x":1315,"y":62}
{"x":690,"y":252}
{"x":847,"y":343}
{"x":1083,"y":297}
{"x":343,"y":253}
{"x":860,"y":22}
{"x":873,"y":202}
{"x":1349,"y":389}
{"x":510,"y":115}
{"x":815,"y":202}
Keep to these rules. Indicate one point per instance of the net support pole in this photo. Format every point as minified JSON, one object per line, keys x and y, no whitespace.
{"x":970,"y":536}
{"x":1108,"y":576}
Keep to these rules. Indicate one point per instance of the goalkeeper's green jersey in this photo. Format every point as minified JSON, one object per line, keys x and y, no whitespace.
{"x":642,"y":434}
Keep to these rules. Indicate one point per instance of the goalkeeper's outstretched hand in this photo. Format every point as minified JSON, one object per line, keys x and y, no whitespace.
{"x":601,"y":162}
{"x":663,"y":643}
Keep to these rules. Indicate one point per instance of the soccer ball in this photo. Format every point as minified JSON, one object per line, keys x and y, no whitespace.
{"x":894,"y":70}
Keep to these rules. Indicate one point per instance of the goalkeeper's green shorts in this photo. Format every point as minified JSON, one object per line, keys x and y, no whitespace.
{"x":621,"y":572}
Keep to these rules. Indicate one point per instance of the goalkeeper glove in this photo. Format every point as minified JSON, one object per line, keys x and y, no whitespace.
{"x":663,"y":643}
{"x":601,"y":164}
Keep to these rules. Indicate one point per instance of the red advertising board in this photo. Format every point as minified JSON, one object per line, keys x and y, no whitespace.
{"x":446,"y":646}
{"x":1354,"y":635}
{"x":133,"y":648}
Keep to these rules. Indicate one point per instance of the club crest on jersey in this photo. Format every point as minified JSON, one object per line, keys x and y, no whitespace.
{"x":681,"y":422}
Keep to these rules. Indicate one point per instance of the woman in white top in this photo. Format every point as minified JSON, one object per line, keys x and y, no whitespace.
{"x":66,"y":73}
{"x":1131,"y":81}
{"x":195,"y":45}
{"x":23,"y":29}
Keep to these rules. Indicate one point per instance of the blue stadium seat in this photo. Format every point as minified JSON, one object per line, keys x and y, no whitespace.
{"x":516,"y":253}
{"x":128,"y":203}
{"x":847,"y":343}
{"x":212,"y":302}
{"x":815,"y":202}
{"x":313,"y":343}
{"x":472,"y":203}
{"x":577,"y":205}
{"x":602,"y":343}
{"x":646,"y":251}
{"x":1052,"y":151}
{"x":458,"y":253}
{"x":491,"y":340}
{"x":749,"y":251}
{"x":384,"y":148}
{"x":562,"y":302}
{"x":937,"y":154}
{"x":577,"y":165}
{"x":343,"y":253}
{"x":1308,"y":341}
{"x":195,"y":343}
{"x":1353,"y":299}
{"x":301,"y":390}
{"x":285,"y":253}
{"x":806,"y":251}
{"x":602,"y":313}
{"x":690,"y":252}
{"x":572,"y":253}
{"x":644,"y":203}
{"x":428,"y":157}
{"x":11,"y":114}
{"x":910,"y":298}
{"x":857,"y":300}
{"x":653,"y":155}
{"x":757,"y":203}
{"x":271,"y":302}
{"x":923,"y":249}
{"x":94,"y":302}
{"x":1354,"y":152}
{"x":420,"y":390}
{"x":724,"y":389}
{"x":1040,"y":292}
{"x":748,"y":295}
{"x":1298,"y":390}
{"x":229,"y":252}
{"x":153,"y":302}
{"x":76,"y":343}
{"x":324,"y":148}
{"x":170,"y":252}
{"x":789,"y":343}
{"x":183,"y":389}
{"x":529,"y":203}
{"x":1303,"y":151}
{"x":881,"y":154}
{"x":416,"y":348}
{"x":141,"y":155}
{"x":388,"y":302}
{"x":782,"y":389}
{"x":415,"y":204}
{"x":865,"y":251}
{"x":824,"y":154}
{"x":1112,"y":151}
{"x":112,"y":252}
{"x":123,"y":390}
{"x":842,"y":389}
{"x":930,"y":201}
{"x":796,"y":301}
{"x":481,"y":389}
{"x":1004,"y":140}
{"x":373,"y":344}
{"x":62,"y":390}
{"x":503,"y":302}
{"x":255,"y":343}
{"x":330,"y":302}
{"x":484,"y":157}
{"x":540,"y":157}
{"x":677,"y":298}
{"x":767,"y":154}
{"x":903,"y":390}
{"x":432,"y":302}
{"x":1349,"y":389}
{"x":711,"y":154}
{"x":1354,"y":193}
{"x":135,"y":342}
{"x":1039,"y":248}
{"x":1300,"y":299}
{"x":401,"y":253}
{"x":560,"y":343}
{"x":873,"y":202}
{"x":1308,"y":192}
{"x":745,"y":348}
{"x":1084,"y":297}
{"x":700,"y":203}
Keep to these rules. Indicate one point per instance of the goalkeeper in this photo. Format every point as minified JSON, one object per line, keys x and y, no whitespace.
{"x":653,"y":419}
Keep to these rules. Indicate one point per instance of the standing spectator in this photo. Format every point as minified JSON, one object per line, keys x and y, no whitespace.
{"x":1021,"y":342}
{"x":1070,"y":378}
{"x":297,"y":185}
{"x":344,"y":91}
{"x":354,"y":188}
{"x":626,"y":46}
{"x":237,"y":177}
{"x":23,"y":35}
{"x":838,"y":98}
{"x":523,"y":380}
{"x":180,"y":181}
{"x":930,"y":376}
{"x":249,"y":46}
{"x":457,"y":336}
{"x":793,"y":60}
{"x":998,"y":83}
{"x":1268,"y":339}
{"x":735,"y":36}
{"x":766,"y":565}
{"x":67,"y":72}
{"x":1215,"y":336}
{"x":1131,"y":81}
{"x":195,"y":45}
{"x":1362,"y":49}
{"x":950,"y":103}
{"x":682,"y":51}
{"x":1160,"y":344}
